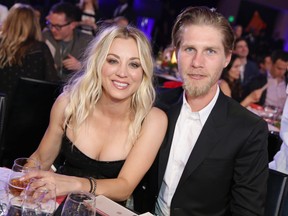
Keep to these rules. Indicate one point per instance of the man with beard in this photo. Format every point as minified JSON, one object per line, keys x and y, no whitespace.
{"x":213,"y":160}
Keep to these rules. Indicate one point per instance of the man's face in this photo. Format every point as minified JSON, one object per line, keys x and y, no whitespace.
{"x":241,"y":49}
{"x":61,"y":29}
{"x":267,"y":63}
{"x":279,"y":68}
{"x":201,"y":59}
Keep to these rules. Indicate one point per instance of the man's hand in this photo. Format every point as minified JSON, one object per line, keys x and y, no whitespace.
{"x":71,"y":63}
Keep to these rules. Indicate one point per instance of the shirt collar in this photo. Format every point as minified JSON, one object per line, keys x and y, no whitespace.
{"x":205,"y":112}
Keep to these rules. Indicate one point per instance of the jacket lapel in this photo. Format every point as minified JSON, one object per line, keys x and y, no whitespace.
{"x":208,"y":138}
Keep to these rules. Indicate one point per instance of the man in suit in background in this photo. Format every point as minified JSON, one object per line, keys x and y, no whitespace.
{"x":214,"y":159}
{"x":249,"y":68}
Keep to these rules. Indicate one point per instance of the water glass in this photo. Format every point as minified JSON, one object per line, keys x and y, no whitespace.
{"x":79,"y":204}
{"x":39,"y":199}
{"x":4,"y":200}
{"x":19,"y":168}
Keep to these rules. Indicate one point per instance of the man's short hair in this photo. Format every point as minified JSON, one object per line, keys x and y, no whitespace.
{"x":279,"y":54}
{"x":71,"y":11}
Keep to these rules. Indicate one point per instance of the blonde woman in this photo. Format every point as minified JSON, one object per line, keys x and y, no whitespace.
{"x":21,"y":52}
{"x":104,"y":121}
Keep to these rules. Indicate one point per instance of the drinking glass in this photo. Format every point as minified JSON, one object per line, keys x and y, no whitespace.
{"x":79,"y":204}
{"x":19,"y":168}
{"x":15,"y":206}
{"x":4,"y":200}
{"x":271,"y":114}
{"x":39,"y":199}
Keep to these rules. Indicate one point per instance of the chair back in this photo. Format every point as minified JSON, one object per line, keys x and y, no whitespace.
{"x":2,"y":119}
{"x":274,"y":144}
{"x":28,"y":117}
{"x":277,"y":194}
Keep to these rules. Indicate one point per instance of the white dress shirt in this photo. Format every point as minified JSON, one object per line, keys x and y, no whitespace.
{"x":280,"y":160}
{"x":276,"y":94}
{"x":187,"y":131}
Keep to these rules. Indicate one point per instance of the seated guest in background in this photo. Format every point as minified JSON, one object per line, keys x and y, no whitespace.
{"x":67,"y":44}
{"x":231,"y":86}
{"x":264,"y":63}
{"x":125,"y":9}
{"x":90,"y":15}
{"x":214,"y":159}
{"x":3,"y":13}
{"x":22,"y":54}
{"x":276,"y":80}
{"x":249,"y":68}
{"x":238,"y":31}
{"x":104,"y":123}
{"x":121,"y":20}
{"x":280,"y":161}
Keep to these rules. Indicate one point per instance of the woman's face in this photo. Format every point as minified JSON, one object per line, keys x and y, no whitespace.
{"x":122,"y":72}
{"x":234,"y":72}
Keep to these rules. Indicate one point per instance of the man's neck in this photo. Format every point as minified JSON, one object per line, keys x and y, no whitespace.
{"x":198,"y":103}
{"x":68,"y":38}
{"x":243,"y":60}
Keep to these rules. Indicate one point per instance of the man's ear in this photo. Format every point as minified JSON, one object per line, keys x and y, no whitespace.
{"x":227,"y":59}
{"x":74,"y":24}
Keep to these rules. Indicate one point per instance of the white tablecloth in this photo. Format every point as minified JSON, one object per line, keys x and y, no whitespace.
{"x":103,"y":204}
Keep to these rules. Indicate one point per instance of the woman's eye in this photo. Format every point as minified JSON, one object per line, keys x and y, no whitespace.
{"x":112,"y":61}
{"x":135,"y":65}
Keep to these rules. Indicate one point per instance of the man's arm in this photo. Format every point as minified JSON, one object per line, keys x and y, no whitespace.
{"x":251,"y":174}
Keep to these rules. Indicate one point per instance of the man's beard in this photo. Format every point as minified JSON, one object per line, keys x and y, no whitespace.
{"x":197,"y":90}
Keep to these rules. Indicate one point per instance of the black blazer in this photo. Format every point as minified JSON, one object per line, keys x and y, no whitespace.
{"x":227,"y":171}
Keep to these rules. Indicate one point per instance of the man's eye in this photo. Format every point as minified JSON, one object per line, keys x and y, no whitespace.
{"x":210,"y":51}
{"x":189,"y":49}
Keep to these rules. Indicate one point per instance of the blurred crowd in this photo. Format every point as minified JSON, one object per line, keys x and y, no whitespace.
{"x":67,"y":29}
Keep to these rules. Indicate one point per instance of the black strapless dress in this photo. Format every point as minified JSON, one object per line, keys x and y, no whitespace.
{"x":76,"y":163}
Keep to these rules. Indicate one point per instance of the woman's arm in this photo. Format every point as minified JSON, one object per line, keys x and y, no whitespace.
{"x":136,"y":165}
{"x":254,"y":96}
{"x":225,"y":87}
{"x":139,"y":159}
{"x":49,"y":146}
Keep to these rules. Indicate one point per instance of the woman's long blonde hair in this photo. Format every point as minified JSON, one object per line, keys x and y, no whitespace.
{"x":19,"y":30}
{"x":85,"y":88}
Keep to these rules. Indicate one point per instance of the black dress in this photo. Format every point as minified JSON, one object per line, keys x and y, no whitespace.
{"x":76,"y":163}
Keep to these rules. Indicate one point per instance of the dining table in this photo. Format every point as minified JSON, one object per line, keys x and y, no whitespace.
{"x":104,"y":205}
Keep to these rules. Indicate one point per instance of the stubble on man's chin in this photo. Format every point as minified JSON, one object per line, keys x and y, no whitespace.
{"x":194,"y":91}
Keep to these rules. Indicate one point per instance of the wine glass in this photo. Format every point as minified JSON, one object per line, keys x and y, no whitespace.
{"x":39,"y":199}
{"x":19,"y":168}
{"x":4,"y":200}
{"x":79,"y":204}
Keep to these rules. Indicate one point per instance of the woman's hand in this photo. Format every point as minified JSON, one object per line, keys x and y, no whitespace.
{"x":253,"y":97}
{"x":64,"y":184}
